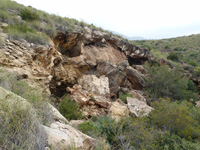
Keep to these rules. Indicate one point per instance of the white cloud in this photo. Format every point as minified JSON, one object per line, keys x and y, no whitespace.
{"x":148,"y":18}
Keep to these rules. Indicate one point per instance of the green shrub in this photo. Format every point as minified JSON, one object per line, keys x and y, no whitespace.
{"x":197,"y":71}
{"x":175,"y":118}
{"x":167,"y":47}
{"x":173,"y":56}
{"x":106,"y":126}
{"x":189,"y":68}
{"x":28,"y":14}
{"x":89,"y":129}
{"x":178,"y":49}
{"x":69,"y":109}
{"x":191,"y":85}
{"x":124,"y":96}
{"x":166,"y":82}
{"x":193,"y":63}
{"x":135,"y":133}
{"x":169,"y":141}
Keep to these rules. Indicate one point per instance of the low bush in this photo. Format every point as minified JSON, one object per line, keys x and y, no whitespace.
{"x":69,"y":109}
{"x":169,"y":141}
{"x":197,"y":71}
{"x":193,"y":63}
{"x":165,"y":82}
{"x":178,"y":49}
{"x":175,"y":118}
{"x":89,"y":129}
{"x":173,"y":56}
{"x":28,"y":14}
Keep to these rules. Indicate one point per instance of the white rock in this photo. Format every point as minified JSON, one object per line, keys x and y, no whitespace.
{"x":95,"y":85}
{"x":61,"y":136}
{"x":137,"y":107}
{"x":56,"y":114}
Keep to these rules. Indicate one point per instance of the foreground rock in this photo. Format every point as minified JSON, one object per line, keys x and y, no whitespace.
{"x":138,"y":108}
{"x":61,"y":136}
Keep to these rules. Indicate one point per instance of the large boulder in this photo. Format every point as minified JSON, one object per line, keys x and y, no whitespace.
{"x":94,"y":85}
{"x":138,"y":108}
{"x":135,"y":78}
{"x":62,"y":136}
{"x":116,"y":74}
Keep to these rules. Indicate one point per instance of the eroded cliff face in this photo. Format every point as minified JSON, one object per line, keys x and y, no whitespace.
{"x":84,"y":64}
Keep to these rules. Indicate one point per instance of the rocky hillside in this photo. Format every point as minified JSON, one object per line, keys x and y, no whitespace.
{"x":59,"y":70}
{"x":181,"y":51}
{"x":94,"y":67}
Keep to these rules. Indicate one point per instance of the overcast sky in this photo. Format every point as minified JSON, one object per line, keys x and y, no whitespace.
{"x":151,"y":19}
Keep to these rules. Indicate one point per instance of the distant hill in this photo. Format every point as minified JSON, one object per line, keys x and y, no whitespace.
{"x":187,"y":48}
{"x":133,"y":38}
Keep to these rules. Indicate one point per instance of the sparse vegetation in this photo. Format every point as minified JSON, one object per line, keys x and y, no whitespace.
{"x":20,"y":128}
{"x":19,"y":121}
{"x":20,"y":32}
{"x":33,"y":95}
{"x":41,"y":23}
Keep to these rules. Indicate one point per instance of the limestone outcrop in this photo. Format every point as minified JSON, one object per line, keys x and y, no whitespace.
{"x":93,"y":66}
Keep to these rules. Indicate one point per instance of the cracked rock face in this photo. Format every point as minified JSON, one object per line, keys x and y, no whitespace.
{"x":94,"y":61}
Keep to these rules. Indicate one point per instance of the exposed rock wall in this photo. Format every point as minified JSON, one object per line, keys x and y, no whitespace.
{"x":95,"y":61}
